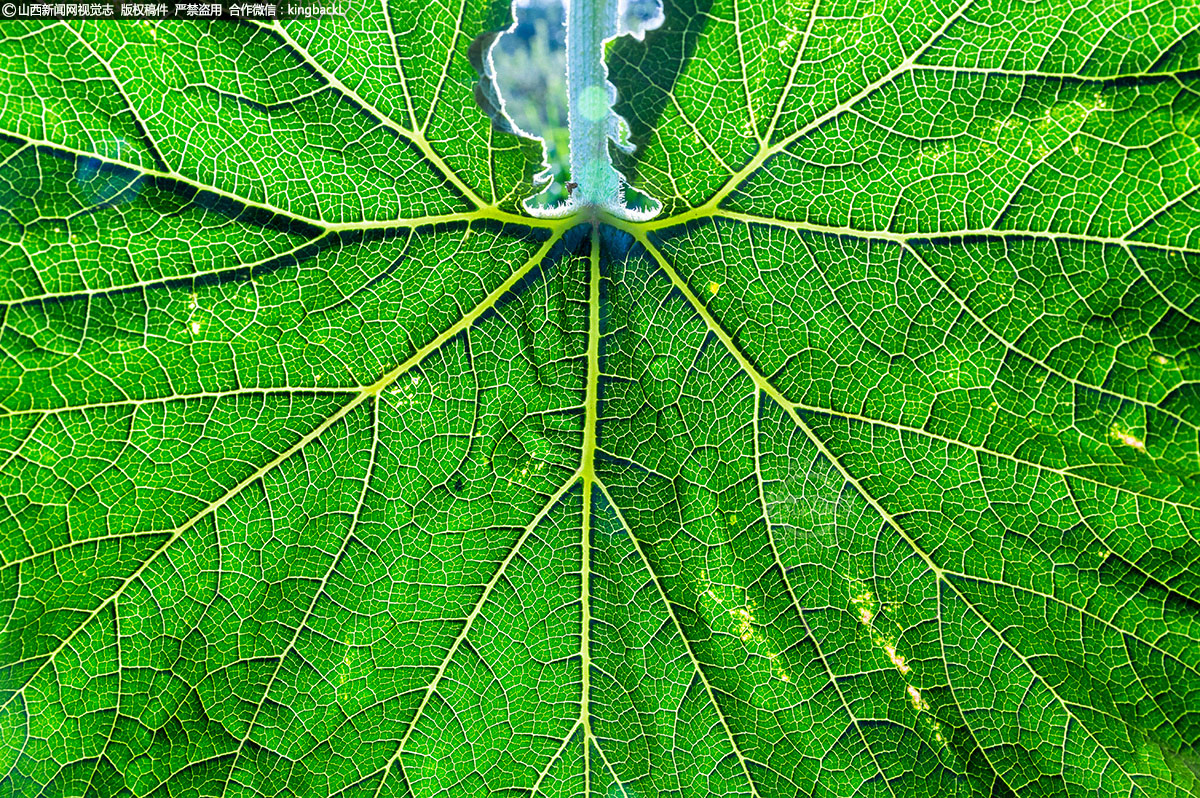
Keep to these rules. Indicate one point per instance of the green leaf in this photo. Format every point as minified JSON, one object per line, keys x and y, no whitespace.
{"x":869,"y":466}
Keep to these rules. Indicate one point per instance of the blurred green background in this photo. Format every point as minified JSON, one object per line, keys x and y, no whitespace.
{"x":531,"y":71}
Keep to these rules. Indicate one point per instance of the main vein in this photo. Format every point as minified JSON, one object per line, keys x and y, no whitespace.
{"x":587,"y":470}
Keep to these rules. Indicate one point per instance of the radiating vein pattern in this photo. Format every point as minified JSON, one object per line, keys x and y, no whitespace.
{"x":870,"y":467}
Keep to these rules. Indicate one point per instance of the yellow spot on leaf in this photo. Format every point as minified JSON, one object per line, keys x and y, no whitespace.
{"x":863,"y":601}
{"x":896,"y":659}
{"x":918,"y":702}
{"x":1127,"y":438}
{"x":743,"y":620}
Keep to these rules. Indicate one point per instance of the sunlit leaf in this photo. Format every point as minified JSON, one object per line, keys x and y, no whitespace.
{"x":868,"y":466}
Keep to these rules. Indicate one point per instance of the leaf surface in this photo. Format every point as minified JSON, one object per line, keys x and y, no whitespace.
{"x":868,"y":467}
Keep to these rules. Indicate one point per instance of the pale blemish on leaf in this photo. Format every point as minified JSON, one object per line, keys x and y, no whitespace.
{"x":863,"y":601}
{"x":1127,"y":437}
